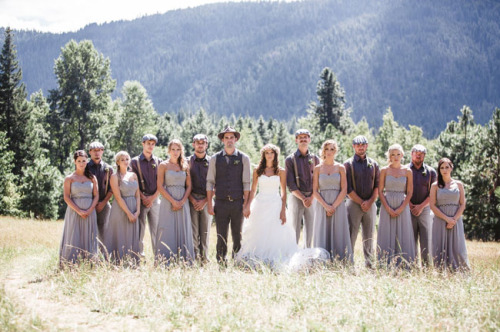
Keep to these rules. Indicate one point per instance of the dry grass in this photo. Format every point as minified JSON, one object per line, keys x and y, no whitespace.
{"x":207,"y":298}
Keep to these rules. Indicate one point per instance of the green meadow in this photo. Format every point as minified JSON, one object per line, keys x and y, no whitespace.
{"x":36,"y":296}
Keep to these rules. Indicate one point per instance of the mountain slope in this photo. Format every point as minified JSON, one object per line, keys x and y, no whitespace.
{"x":425,"y":59}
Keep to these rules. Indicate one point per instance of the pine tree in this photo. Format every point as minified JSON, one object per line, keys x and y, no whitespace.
{"x":455,"y":140}
{"x":331,"y":98}
{"x":81,"y":106}
{"x":41,"y":182}
{"x":481,"y":174}
{"x":271,"y":128}
{"x":13,"y":104}
{"x":168,"y":129}
{"x":41,"y":188}
{"x":262,"y":130}
{"x":283,"y":140}
{"x":198,"y":123}
{"x":388,"y":134}
{"x":9,"y":196}
{"x":138,"y":117}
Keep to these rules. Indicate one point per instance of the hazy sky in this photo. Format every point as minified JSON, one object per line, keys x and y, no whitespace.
{"x":71,"y":15}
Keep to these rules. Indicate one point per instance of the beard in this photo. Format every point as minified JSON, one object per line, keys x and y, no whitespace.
{"x":418,"y":163}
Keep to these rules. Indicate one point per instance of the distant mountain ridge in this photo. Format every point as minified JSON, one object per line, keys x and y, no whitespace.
{"x":424,"y":59}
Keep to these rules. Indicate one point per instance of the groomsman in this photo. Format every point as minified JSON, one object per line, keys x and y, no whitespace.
{"x":145,"y":166}
{"x":299,"y":173}
{"x":102,"y":172}
{"x":362,"y":175}
{"x":423,"y":177}
{"x":229,"y":178}
{"x":200,"y":219}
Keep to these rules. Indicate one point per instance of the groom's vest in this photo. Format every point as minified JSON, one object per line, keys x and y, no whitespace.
{"x":228,"y":176}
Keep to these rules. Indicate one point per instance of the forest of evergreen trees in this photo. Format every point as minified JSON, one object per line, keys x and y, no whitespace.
{"x":424,"y":59}
{"x":39,"y":134}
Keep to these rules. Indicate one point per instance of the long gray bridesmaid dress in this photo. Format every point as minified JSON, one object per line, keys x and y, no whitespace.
{"x":121,"y":237}
{"x":395,"y":241}
{"x":332,"y":233}
{"x":79,"y":239}
{"x":174,"y":237}
{"x":448,"y":245}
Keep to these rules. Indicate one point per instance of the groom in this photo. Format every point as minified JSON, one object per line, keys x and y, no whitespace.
{"x":229,"y":179}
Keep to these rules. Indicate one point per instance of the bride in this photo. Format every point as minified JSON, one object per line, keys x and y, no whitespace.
{"x":266,"y":237}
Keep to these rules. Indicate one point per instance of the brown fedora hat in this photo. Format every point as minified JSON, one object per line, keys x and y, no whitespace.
{"x":229,"y":129}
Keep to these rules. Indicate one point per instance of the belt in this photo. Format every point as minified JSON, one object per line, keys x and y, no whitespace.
{"x":199,"y":196}
{"x":227,"y":198}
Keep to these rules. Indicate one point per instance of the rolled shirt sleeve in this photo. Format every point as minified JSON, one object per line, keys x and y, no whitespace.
{"x":211,"y":174}
{"x":347,"y":165}
{"x":247,"y":172}
{"x":245,"y":177}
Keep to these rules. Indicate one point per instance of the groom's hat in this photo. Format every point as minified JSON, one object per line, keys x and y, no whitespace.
{"x":229,"y":129}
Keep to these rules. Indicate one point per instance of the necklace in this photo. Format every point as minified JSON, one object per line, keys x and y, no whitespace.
{"x":329,"y":168}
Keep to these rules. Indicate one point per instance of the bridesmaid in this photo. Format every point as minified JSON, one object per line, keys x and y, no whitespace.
{"x":79,"y":239}
{"x":447,"y":201}
{"x":174,"y":238}
{"x":395,"y":241}
{"x":331,"y":227}
{"x":121,"y":235}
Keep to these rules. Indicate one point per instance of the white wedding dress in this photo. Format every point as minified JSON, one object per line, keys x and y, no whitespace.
{"x":266,"y":241}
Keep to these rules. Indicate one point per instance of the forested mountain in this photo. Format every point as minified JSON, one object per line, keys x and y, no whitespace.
{"x":425,"y":59}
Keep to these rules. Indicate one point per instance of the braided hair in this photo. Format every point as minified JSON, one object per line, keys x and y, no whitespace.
{"x":118,"y":156}
{"x":182,"y":159}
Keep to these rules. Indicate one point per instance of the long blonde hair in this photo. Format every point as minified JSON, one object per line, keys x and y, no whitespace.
{"x":325,"y":144}
{"x":182,"y":159}
{"x":117,"y":162}
{"x":391,"y":148}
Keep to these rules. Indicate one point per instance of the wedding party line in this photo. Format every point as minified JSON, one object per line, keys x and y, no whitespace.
{"x":420,"y":213}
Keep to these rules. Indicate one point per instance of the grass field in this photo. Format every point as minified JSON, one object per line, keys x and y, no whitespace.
{"x":35,"y":295}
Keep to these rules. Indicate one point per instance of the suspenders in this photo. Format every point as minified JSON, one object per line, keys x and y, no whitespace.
{"x":141,"y":178}
{"x":295,"y":168}
{"x":352,"y":174}
{"x":107,"y":181}
{"x":296,"y":172}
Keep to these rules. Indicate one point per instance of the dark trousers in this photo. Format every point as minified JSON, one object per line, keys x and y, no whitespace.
{"x":226,"y":213}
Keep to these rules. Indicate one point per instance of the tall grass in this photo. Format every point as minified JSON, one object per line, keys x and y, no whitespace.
{"x":209,"y":298}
